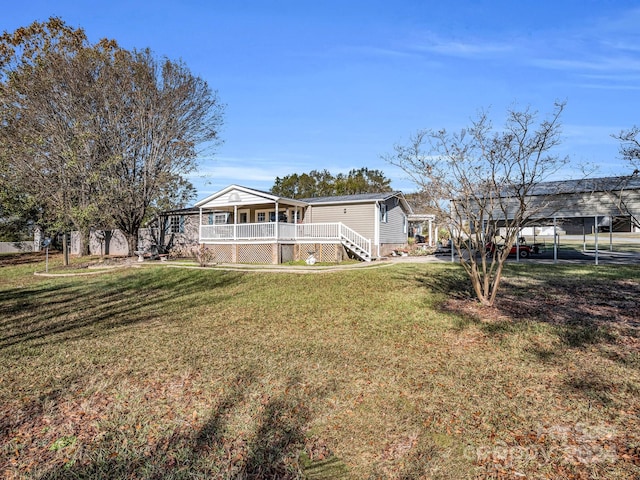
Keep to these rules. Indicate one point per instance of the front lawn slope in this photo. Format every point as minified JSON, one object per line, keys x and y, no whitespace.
{"x":380,"y":373}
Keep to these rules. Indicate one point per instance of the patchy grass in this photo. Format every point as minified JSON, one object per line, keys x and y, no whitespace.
{"x":374,"y":373}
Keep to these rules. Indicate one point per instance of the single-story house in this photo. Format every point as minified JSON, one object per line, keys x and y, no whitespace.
{"x":245,"y":225}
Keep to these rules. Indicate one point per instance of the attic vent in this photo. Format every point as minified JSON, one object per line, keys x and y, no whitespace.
{"x":234,"y":197}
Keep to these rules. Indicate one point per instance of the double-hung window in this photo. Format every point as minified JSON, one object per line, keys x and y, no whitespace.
{"x":384,"y":214}
{"x":176,"y":224}
{"x":218,"y":218}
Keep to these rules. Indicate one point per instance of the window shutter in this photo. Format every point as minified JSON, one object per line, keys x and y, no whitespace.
{"x":181,"y":228}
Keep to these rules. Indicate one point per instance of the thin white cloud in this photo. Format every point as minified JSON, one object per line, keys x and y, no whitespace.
{"x":606,"y":45}
{"x":465,"y":49}
{"x":601,"y":64}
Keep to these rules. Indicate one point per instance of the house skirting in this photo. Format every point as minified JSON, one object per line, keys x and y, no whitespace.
{"x":276,"y":253}
{"x":387,"y":248}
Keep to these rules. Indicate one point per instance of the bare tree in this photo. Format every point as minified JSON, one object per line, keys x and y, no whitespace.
{"x":630,"y":147}
{"x":621,"y":196}
{"x":156,"y":115}
{"x":481,"y":182}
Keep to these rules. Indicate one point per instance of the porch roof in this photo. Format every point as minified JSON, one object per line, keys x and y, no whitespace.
{"x":236,"y":195}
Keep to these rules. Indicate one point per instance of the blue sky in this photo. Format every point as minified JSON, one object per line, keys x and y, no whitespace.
{"x":335,"y":84}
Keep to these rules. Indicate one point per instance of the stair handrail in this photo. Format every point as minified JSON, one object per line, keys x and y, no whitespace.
{"x":356,"y":239}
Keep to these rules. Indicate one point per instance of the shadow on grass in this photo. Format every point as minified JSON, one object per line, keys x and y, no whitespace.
{"x":590,"y":385}
{"x":450,"y":282}
{"x":28,"y":258}
{"x":273,"y":450}
{"x":585,"y":307}
{"x":65,"y":309}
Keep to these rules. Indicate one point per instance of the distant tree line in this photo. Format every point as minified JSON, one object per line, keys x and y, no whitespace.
{"x":322,"y":183}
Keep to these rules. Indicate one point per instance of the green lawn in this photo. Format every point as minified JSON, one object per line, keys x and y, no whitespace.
{"x":366,"y":373}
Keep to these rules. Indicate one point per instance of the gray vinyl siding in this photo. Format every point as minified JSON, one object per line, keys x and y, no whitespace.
{"x":581,"y":204}
{"x":393,"y":230}
{"x":359,"y":216}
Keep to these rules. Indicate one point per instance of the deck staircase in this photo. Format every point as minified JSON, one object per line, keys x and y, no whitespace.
{"x":355,"y":243}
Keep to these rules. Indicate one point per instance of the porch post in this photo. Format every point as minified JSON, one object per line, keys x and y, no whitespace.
{"x":235,"y":222}
{"x":200,"y":227}
{"x":376,"y":230}
{"x":277,"y":222}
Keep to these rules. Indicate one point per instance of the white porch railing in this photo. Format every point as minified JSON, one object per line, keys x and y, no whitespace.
{"x":301,"y":232}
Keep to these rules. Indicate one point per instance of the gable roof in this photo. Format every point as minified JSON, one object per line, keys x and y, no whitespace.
{"x":359,"y":198}
{"x":239,"y":195}
{"x":585,"y":185}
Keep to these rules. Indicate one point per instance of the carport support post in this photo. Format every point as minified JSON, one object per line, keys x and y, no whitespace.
{"x":596,"y":237}
{"x":555,"y":240}
{"x":611,"y":234}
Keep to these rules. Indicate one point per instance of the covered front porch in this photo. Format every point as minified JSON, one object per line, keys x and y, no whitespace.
{"x":242,"y":216}
{"x":278,"y":232}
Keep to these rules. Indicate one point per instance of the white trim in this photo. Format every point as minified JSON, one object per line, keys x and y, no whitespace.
{"x":239,"y":214}
{"x":267,"y":197}
{"x":376,"y":223}
{"x":266,"y":215}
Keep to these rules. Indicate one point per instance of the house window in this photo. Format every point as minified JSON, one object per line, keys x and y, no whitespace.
{"x":405,"y":225}
{"x":218,"y":218}
{"x":282,"y":216}
{"x":384,"y":216}
{"x":176,"y":224}
{"x":270,"y":216}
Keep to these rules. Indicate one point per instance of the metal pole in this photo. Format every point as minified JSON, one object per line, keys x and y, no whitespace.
{"x":596,"y":237}
{"x":611,"y":234}
{"x":555,"y":241}
{"x":451,"y":241}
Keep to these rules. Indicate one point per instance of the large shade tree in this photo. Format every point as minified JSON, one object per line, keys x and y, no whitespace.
{"x":95,"y":135}
{"x":156,"y":115}
{"x":479,"y":181}
{"x":46,"y":143}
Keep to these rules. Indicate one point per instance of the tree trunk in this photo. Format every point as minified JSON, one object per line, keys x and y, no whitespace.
{"x":84,"y":239}
{"x":65,"y":250}
{"x":132,"y":242}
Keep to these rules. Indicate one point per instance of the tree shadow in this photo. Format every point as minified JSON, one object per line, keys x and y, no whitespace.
{"x":449,"y":282}
{"x":271,"y":451}
{"x":64,"y":309}
{"x":591,"y":385}
{"x":27,"y":258}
